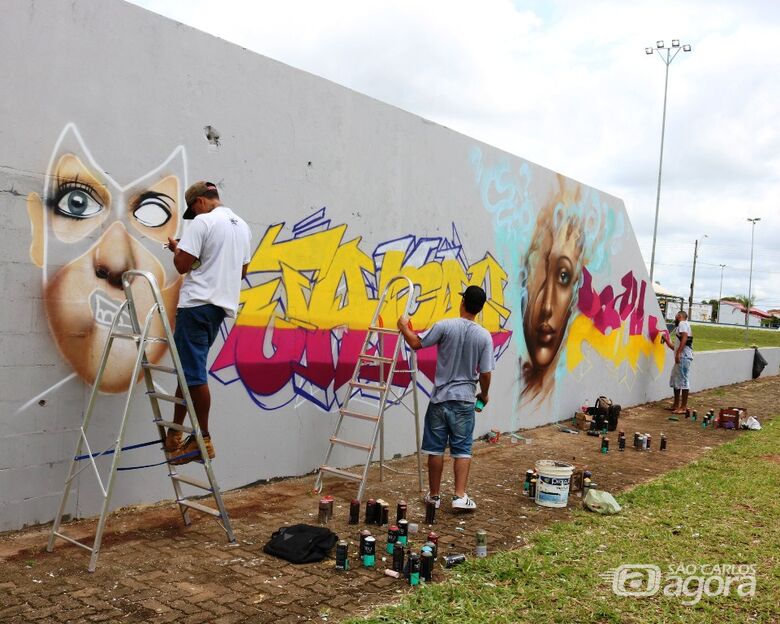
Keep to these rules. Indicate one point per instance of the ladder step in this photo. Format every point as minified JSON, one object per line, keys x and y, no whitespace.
{"x":199,"y":507}
{"x":137,"y":337}
{"x":351,"y":414}
{"x":166,"y":397}
{"x":375,"y":358}
{"x":159,"y":367}
{"x":357,"y":445}
{"x":383,"y":330}
{"x":344,"y":474}
{"x":368,"y":386}
{"x":172,"y":425}
{"x":190,"y":481}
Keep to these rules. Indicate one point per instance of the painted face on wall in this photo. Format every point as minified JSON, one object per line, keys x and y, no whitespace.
{"x":550,"y":293}
{"x":87,"y":230}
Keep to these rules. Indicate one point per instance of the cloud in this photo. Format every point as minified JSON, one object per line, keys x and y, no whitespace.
{"x":568,"y":85}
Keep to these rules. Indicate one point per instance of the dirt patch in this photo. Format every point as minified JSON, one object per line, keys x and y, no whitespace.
{"x":154,"y":569}
{"x":772,"y":458}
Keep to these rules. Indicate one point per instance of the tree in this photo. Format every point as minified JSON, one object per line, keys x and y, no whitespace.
{"x":747,"y":302}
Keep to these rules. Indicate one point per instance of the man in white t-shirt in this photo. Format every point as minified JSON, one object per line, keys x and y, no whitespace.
{"x":213,"y":255}
{"x":683,"y":358}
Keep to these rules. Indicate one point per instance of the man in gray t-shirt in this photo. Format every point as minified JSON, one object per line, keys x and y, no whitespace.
{"x":465,"y":356}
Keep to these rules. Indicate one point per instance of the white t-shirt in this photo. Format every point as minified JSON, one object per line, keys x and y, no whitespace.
{"x":684,"y":327}
{"x":220,"y":239}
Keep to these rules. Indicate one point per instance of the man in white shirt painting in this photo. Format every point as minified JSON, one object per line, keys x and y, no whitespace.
{"x":683,"y":358}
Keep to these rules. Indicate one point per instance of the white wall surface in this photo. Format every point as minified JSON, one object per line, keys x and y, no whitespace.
{"x":105,"y":129}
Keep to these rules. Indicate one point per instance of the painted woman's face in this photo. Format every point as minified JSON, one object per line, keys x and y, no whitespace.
{"x":87,"y":231}
{"x":553,"y":262}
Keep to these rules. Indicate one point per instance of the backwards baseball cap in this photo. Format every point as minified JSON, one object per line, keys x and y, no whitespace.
{"x":474,"y":299}
{"x":196,"y":190}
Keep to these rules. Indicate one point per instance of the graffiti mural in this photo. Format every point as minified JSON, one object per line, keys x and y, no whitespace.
{"x":556,"y":237}
{"x":313,"y":293}
{"x":87,"y":229}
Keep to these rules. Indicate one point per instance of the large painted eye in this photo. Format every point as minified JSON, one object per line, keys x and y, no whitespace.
{"x":152,"y":210}
{"x":77,"y":203}
{"x":564,"y":277}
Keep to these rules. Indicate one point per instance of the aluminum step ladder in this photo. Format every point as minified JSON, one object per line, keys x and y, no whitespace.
{"x":387,"y":364}
{"x":141,"y":337}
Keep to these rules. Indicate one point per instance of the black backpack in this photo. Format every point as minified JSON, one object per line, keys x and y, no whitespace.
{"x":301,"y":543}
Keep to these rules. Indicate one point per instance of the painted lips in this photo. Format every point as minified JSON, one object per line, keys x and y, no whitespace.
{"x":104,"y":309}
{"x":545,"y":334}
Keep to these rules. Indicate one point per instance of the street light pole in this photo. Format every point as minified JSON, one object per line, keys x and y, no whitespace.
{"x":750,"y":279}
{"x":693,"y":273}
{"x":720,"y":292}
{"x":659,"y":46}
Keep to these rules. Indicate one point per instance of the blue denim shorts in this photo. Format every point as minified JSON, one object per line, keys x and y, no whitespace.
{"x":680,"y":377}
{"x":196,"y":330}
{"x":449,"y":422}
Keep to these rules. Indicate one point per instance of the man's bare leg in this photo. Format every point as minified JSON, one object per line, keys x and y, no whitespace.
{"x":201,"y":401}
{"x":462,"y":465}
{"x":684,"y":399}
{"x":435,"y":468}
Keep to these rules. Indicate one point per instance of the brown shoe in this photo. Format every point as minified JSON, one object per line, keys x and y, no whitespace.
{"x":173,"y":441}
{"x":189,"y":450}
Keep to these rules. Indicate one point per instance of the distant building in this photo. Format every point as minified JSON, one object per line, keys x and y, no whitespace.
{"x":733,"y":313}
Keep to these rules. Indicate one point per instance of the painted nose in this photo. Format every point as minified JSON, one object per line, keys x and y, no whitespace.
{"x":113,"y":255}
{"x":547,"y":295}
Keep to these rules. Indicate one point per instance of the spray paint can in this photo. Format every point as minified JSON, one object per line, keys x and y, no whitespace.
{"x":363,"y":535}
{"x":392,"y":573}
{"x":663,"y":443}
{"x":342,"y":558}
{"x":648,"y":441}
{"x":400,"y":511}
{"x":398,"y":557}
{"x":371,"y":511}
{"x":392,"y":538}
{"x":430,"y":512}
{"x":403,"y":528}
{"x":322,"y":514}
{"x":426,"y":566}
{"x":636,"y":440}
{"x":414,"y":569}
{"x":433,"y":538}
{"x":587,"y":474}
{"x":532,"y":489}
{"x":622,"y":441}
{"x":369,"y":551}
{"x":354,"y":511}
{"x":481,"y":550}
{"x":385,"y":517}
{"x":694,"y":415}
{"x":451,"y":561}
{"x":687,"y":412}
{"x":586,"y":483}
{"x":527,"y":483}
{"x":430,"y":546}
{"x":605,"y":445}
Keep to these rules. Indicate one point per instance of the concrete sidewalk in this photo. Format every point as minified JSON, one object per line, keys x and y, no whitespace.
{"x":153,"y":569}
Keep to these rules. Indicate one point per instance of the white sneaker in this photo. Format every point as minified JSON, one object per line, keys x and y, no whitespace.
{"x":464,"y":502}
{"x":432,"y":499}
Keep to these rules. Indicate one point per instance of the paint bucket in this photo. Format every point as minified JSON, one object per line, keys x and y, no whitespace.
{"x":553,"y":487}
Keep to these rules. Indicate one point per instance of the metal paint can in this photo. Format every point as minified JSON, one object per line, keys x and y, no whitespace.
{"x":322,"y":514}
{"x":532,"y":489}
{"x":688,"y":412}
{"x":433,"y":538}
{"x":648,"y":441}
{"x":342,"y":556}
{"x":481,"y":550}
{"x":400,"y":511}
{"x":636,"y":440}
{"x":663,"y":443}
{"x":694,"y":415}
{"x":622,"y":441}
{"x":371,"y":511}
{"x":430,"y":512}
{"x":453,"y":560}
{"x":385,"y":514}
{"x":414,"y":569}
{"x":527,"y":483}
{"x":605,"y":445}
{"x":398,"y":557}
{"x":392,"y":573}
{"x":369,"y":551}
{"x":363,"y":535}
{"x":426,"y":566}
{"x":403,"y":527}
{"x":354,"y":511}
{"x":392,"y":538}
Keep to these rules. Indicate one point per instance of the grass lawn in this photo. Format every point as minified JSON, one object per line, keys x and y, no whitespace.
{"x":721,"y":509}
{"x":712,"y":337}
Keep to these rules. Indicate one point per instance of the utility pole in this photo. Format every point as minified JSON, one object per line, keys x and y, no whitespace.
{"x":750,"y":279}
{"x":693,"y":273}
{"x":720,"y":292}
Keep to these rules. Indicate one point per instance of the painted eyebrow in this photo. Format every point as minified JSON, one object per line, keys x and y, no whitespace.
{"x":152,"y":195}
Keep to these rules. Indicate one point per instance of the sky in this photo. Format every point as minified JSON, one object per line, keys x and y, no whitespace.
{"x":568,"y":85}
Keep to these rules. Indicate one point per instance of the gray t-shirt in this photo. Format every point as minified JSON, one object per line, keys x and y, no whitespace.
{"x":465,"y":350}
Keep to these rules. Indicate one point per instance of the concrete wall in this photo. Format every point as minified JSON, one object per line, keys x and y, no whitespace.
{"x":729,"y":315}
{"x":105,"y":128}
